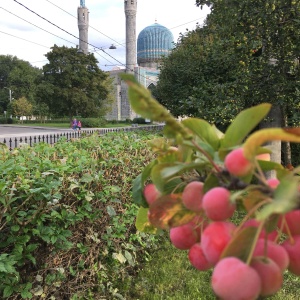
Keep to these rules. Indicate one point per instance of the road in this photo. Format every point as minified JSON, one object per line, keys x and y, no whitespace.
{"x":12,"y":135}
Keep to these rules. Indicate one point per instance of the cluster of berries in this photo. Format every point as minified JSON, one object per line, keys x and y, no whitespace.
{"x":208,"y":234}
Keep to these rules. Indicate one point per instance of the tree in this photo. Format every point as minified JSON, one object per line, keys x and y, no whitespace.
{"x":225,"y":173}
{"x":73,"y":83}
{"x":198,"y":77}
{"x":258,"y":40}
{"x":21,"y":107}
{"x":18,"y":76}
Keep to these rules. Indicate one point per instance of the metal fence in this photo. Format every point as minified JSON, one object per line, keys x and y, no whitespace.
{"x":15,"y":142}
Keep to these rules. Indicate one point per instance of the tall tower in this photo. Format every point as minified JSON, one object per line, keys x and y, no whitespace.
{"x":130,"y":7}
{"x":83,"y":26}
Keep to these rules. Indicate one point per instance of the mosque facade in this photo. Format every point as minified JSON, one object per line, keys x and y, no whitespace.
{"x":143,"y":57}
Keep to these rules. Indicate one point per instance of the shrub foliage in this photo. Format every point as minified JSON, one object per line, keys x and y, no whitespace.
{"x":67,"y":221}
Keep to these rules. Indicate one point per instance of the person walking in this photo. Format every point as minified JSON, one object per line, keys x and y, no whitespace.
{"x":79,"y":125}
{"x":74,"y":124}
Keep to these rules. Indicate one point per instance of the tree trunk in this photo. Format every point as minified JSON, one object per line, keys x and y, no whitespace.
{"x":274,"y":119}
{"x":287,"y":153}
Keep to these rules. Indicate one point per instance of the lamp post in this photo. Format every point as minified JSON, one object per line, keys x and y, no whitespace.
{"x":10,"y":92}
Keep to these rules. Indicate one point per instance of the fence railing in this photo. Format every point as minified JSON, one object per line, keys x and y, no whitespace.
{"x":14,"y":142}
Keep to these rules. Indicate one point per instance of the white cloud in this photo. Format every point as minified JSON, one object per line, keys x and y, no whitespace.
{"x":107,"y":25}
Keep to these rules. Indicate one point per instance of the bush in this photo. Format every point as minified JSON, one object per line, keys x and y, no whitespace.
{"x":92,"y":122}
{"x":139,"y":121}
{"x":3,"y":120}
{"x":68,"y":222}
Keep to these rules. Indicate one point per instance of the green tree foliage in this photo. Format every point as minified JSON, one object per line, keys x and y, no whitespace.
{"x":73,"y":83}
{"x":21,"y":107}
{"x":18,"y":76}
{"x":246,"y":53}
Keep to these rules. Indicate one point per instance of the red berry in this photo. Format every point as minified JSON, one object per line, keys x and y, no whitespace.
{"x":254,"y":223}
{"x":197,"y":258}
{"x":215,"y":238}
{"x":292,"y":219}
{"x":274,"y":251}
{"x":151,"y":193}
{"x":232,"y":279}
{"x":237,"y":164}
{"x":293,"y":250}
{"x":269,"y":273}
{"x":192,"y":196}
{"x":184,"y":237}
{"x":216,"y":204}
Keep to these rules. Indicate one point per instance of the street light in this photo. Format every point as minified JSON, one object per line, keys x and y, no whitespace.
{"x":10,"y":92}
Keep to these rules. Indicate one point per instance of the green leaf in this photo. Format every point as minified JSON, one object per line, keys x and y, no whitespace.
{"x":243,"y":124}
{"x":15,"y":228}
{"x":260,"y":137}
{"x":285,"y":199}
{"x":203,"y":130}
{"x":142,"y":223}
{"x":8,"y":290}
{"x":26,"y":294}
{"x":241,"y":244}
{"x":111,"y":211}
{"x":164,"y":174}
{"x":86,"y":178}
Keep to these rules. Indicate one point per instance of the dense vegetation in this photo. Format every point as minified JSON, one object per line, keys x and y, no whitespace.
{"x":67,"y":218}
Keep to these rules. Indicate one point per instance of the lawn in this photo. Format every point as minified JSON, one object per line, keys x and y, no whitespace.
{"x":66,"y":125}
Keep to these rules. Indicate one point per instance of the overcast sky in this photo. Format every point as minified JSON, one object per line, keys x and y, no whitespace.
{"x":28,"y":28}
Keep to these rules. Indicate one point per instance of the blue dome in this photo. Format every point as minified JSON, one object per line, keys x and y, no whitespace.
{"x":153,"y":42}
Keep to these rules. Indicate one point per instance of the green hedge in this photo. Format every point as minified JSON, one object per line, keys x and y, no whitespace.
{"x":67,"y":217}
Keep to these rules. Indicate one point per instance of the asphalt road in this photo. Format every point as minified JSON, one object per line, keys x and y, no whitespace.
{"x":12,"y":133}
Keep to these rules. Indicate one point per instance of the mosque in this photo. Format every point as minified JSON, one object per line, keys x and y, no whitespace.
{"x":143,"y":56}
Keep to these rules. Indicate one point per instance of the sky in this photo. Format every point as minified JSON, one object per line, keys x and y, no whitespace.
{"x":29,"y":28}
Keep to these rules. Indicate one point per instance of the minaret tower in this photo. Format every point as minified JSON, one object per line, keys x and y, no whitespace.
{"x":83,"y":26}
{"x":130,"y":7}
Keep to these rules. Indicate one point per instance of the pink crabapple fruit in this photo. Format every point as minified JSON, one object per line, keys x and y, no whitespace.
{"x":270,"y":275}
{"x":216,"y":204}
{"x":192,"y":196}
{"x":237,"y":164}
{"x":215,"y":238}
{"x":197,"y":258}
{"x":292,"y":220}
{"x":292,"y":246}
{"x":273,"y":251}
{"x":151,"y":193}
{"x":273,"y":182}
{"x":184,"y":237}
{"x":263,"y":234}
{"x":232,"y":279}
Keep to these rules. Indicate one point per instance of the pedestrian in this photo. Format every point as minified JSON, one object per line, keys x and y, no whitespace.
{"x":74,"y":124}
{"x":79,"y":125}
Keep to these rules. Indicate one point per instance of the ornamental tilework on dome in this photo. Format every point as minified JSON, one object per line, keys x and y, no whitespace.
{"x":153,"y":42}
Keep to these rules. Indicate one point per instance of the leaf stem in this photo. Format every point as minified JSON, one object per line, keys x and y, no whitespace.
{"x":259,"y":229}
{"x":207,"y":156}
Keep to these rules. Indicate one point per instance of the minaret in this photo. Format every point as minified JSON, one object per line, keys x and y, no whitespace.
{"x":83,"y":26}
{"x":130,"y":7}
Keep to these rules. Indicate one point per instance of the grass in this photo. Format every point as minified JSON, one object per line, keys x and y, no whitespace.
{"x":169,"y":275}
{"x":67,"y":125}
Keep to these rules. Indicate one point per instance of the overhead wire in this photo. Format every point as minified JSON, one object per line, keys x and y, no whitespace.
{"x":89,"y":25}
{"x":101,"y":49}
{"x":95,"y":47}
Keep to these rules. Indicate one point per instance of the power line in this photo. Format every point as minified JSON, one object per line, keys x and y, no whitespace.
{"x":101,"y":49}
{"x":25,"y":39}
{"x":38,"y":26}
{"x":89,"y":25}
